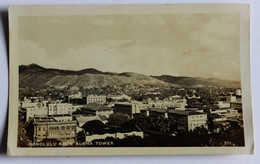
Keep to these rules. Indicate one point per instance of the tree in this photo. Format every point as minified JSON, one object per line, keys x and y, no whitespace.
{"x":29,"y":127}
{"x":118,"y":119}
{"x":93,"y":127}
{"x":199,"y":131}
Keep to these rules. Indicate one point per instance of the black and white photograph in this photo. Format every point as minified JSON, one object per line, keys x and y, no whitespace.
{"x":122,"y":79}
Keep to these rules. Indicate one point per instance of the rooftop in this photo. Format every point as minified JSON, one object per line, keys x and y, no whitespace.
{"x":97,"y":107}
{"x":49,"y":119}
{"x":236,"y":103}
{"x":86,"y":119}
{"x":128,"y":103}
{"x":213,"y":115}
{"x":91,"y":95}
{"x":59,"y":115}
{"x":180,"y":112}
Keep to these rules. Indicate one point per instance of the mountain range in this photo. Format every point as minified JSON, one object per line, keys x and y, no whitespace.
{"x":34,"y":75}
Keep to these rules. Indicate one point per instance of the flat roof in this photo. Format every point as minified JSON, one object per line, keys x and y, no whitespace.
{"x":180,"y":112}
{"x":236,"y":103}
{"x":97,"y":107}
{"x":127,"y":103}
{"x":45,"y":120}
{"x":186,"y":112}
{"x":86,"y":119}
{"x":214,"y":115}
{"x":60,"y":115}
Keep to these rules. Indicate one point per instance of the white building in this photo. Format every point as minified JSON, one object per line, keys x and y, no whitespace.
{"x":38,"y":110}
{"x":231,"y":99}
{"x":31,"y":101}
{"x":196,"y":120}
{"x":238,"y":92}
{"x":96,"y":99}
{"x":60,"y":108}
{"x":222,"y":104}
{"x":77,"y":95}
{"x":219,"y":111}
{"x":171,"y":102}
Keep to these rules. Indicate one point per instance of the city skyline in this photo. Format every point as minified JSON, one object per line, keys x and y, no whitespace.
{"x":194,"y":45}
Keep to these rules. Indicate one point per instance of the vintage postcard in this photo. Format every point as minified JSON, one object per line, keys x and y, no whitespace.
{"x":129,"y":80}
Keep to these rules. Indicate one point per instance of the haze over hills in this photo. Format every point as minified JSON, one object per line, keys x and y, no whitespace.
{"x":34,"y":75}
{"x":198,"y":81}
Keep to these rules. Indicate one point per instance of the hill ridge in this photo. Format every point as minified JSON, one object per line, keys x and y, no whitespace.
{"x":36,"y":76}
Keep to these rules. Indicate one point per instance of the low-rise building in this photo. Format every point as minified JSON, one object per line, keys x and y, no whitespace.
{"x":76,"y":99}
{"x":222,"y":104}
{"x":233,"y":113}
{"x":99,"y":109}
{"x":239,"y":99}
{"x":216,"y":118}
{"x":170,"y":102}
{"x":190,"y":120}
{"x":60,"y":108}
{"x":31,"y":112}
{"x":130,"y":108}
{"x":96,"y":99}
{"x":119,"y":97}
{"x":238,"y":92}
{"x":231,"y":98}
{"x":219,"y":111}
{"x":38,"y":108}
{"x":53,"y":127}
{"x":236,"y":105}
{"x":30,"y":101}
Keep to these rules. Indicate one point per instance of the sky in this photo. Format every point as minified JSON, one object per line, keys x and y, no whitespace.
{"x":197,"y":45}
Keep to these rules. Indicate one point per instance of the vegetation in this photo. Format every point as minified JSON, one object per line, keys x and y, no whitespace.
{"x":93,"y":127}
{"x":118,"y":119}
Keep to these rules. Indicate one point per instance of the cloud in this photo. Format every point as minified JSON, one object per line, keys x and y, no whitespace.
{"x":31,"y":52}
{"x":115,"y":58}
{"x":177,"y":44}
